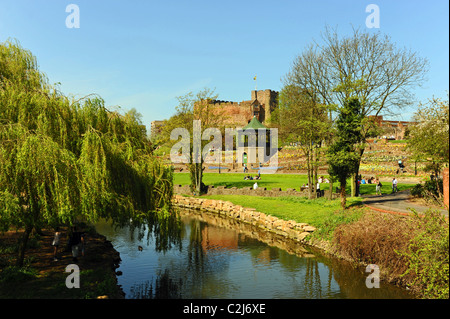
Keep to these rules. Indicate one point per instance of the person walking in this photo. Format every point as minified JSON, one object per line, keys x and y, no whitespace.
{"x":378,"y":187}
{"x":394,"y":185}
{"x":74,"y":243}
{"x":55,"y":243}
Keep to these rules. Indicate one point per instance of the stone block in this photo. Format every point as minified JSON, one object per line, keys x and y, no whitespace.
{"x":302,"y":236}
{"x":309,"y":228}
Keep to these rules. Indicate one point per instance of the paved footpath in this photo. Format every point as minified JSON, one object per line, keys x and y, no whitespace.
{"x":396,"y":203}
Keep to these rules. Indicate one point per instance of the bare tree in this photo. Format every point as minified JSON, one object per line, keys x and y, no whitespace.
{"x":366,"y":65}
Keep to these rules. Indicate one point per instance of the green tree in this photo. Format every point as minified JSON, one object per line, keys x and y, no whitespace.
{"x":343,"y":154}
{"x":301,"y":119}
{"x":429,"y":136}
{"x":63,"y":161}
{"x":429,"y":139}
{"x":195,"y":110}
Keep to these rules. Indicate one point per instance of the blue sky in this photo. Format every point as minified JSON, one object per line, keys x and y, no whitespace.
{"x":143,"y":54}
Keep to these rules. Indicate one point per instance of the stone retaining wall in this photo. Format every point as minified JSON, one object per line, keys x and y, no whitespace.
{"x":290,"y":229}
{"x":251,"y":231}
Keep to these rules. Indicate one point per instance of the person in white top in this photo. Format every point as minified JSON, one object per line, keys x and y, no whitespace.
{"x":55,"y":243}
{"x":394,"y":185}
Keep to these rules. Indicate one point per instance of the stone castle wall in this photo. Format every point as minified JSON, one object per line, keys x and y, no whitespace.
{"x":260,"y":191}
{"x":235,"y":114}
{"x":239,"y":114}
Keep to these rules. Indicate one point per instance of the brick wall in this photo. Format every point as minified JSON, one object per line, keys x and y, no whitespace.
{"x":446,"y":182}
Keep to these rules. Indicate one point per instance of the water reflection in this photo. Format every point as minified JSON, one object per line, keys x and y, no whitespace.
{"x":222,"y":258}
{"x":163,"y":288}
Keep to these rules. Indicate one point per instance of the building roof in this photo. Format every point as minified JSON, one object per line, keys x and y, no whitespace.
{"x":254,"y":124}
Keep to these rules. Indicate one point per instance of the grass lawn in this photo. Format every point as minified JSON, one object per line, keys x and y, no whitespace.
{"x":324,"y":214}
{"x":283,"y":181}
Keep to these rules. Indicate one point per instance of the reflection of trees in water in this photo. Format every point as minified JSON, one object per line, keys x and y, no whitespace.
{"x":164,"y":287}
{"x":313,"y":284}
{"x":196,"y":255}
{"x":352,"y":281}
{"x":197,"y":274}
{"x":164,"y":228}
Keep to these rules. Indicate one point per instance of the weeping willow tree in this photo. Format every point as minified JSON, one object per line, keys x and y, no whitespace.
{"x":63,"y":161}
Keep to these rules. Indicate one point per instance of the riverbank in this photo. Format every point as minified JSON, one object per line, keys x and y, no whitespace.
{"x":43,"y":278}
{"x":300,"y":232}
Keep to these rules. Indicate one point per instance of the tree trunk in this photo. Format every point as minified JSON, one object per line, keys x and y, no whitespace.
{"x":352,"y":186}
{"x":198,"y":168}
{"x":308,"y":167}
{"x":316,"y":168}
{"x":356,"y":185}
{"x":23,"y":246}
{"x":343,"y":196}
{"x":330,"y":195}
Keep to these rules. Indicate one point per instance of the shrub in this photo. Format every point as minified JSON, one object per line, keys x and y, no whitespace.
{"x":374,"y":239}
{"x":14,"y":274}
{"x":431,"y":190}
{"x":417,"y":190}
{"x":410,"y":251}
{"x":428,"y":255}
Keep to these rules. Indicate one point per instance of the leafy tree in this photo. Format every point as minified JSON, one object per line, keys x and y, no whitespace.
{"x":63,"y":161}
{"x":192,"y":110}
{"x":429,"y":136}
{"x":343,"y":154}
{"x":429,"y":142}
{"x":300,"y":119}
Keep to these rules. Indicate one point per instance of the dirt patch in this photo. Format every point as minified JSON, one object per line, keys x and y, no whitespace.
{"x":99,"y":257}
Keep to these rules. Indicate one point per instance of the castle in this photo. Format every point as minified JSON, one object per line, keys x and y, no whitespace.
{"x":239,"y":114}
{"x":261,"y":106}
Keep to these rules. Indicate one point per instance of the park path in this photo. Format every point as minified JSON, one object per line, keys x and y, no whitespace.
{"x":399,"y":202}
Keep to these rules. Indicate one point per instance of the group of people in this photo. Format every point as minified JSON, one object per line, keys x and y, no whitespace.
{"x":75,"y":244}
{"x":250,"y":178}
{"x":371,"y":180}
{"x":322,"y":180}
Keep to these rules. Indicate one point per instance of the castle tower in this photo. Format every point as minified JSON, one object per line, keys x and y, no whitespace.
{"x":263,"y":103}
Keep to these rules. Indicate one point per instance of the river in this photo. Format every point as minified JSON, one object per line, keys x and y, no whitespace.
{"x":222,"y":258}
